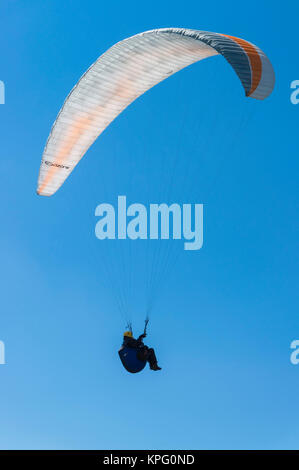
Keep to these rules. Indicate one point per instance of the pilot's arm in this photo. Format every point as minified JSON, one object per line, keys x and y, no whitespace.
{"x":141,"y":337}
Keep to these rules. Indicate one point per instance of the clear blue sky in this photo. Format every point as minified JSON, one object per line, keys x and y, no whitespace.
{"x":224,"y":321}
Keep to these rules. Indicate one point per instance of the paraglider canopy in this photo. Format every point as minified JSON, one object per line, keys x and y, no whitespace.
{"x":127,"y":70}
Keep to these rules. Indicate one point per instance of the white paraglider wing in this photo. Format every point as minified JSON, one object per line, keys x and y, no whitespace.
{"x":126,"y":71}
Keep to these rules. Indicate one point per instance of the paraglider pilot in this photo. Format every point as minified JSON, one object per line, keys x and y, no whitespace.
{"x":134,"y":354}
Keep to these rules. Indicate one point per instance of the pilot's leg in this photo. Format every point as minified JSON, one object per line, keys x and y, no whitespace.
{"x":142,"y":353}
{"x":151,"y":357}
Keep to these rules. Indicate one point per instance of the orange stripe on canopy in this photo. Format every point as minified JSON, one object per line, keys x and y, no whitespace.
{"x":255,"y":61}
